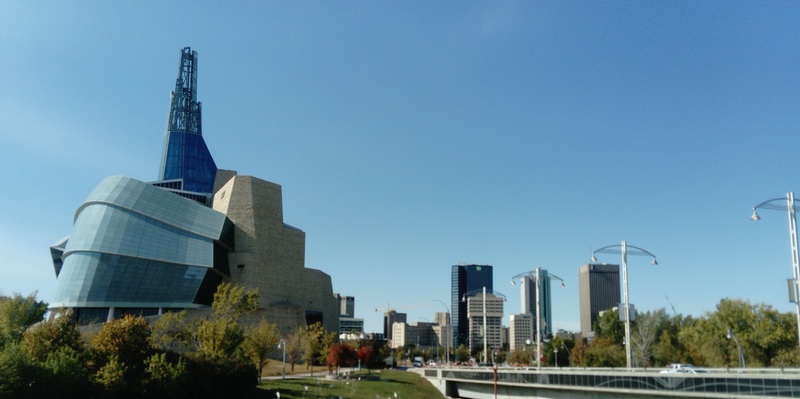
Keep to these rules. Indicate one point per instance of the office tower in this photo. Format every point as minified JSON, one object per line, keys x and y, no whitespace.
{"x":347,"y":305}
{"x":493,"y":312}
{"x":520,"y":331}
{"x":146,"y":248}
{"x":464,"y":279}
{"x":599,"y":291}
{"x":389,"y":318}
{"x":348,"y":323}
{"x":528,"y":299}
{"x":441,"y":318}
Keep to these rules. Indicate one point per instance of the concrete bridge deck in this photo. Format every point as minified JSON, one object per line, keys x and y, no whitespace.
{"x":558,"y":383}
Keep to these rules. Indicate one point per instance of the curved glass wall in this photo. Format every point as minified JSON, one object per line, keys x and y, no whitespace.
{"x":135,"y":245}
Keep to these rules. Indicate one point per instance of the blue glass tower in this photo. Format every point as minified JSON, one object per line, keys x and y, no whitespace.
{"x":186,"y":164}
{"x":466,"y":278}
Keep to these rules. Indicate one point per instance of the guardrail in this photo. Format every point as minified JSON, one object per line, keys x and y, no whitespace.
{"x":773,"y":383}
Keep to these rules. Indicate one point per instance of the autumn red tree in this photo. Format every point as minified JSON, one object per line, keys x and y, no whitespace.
{"x":339,"y":355}
{"x":365,"y":354}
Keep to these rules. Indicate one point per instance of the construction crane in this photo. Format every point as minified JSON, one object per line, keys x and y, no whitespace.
{"x":389,"y":308}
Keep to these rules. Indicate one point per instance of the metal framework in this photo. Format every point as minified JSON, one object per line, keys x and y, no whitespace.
{"x":184,"y":110}
{"x":623,"y":249}
{"x":534,"y":274}
{"x":789,"y":206}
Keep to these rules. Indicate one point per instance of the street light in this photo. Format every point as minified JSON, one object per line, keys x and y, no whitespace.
{"x":555,"y":356}
{"x":485,"y":331}
{"x":534,"y":274}
{"x":794,"y":290}
{"x":739,"y":347}
{"x":623,"y":249}
{"x":446,"y":329}
{"x":282,"y":344}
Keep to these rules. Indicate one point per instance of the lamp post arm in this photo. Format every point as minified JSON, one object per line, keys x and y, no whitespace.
{"x":768,"y":204}
{"x":637,"y":251}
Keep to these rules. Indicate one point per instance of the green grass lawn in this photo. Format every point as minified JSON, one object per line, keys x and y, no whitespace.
{"x":405,"y":384}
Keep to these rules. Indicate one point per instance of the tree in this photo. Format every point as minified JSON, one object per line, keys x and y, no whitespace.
{"x":17,"y":313}
{"x":644,"y":334}
{"x":260,"y":341}
{"x":46,"y":338}
{"x":340,"y":355}
{"x":577,"y":353}
{"x":669,"y":347}
{"x":294,"y":345}
{"x":553,"y":350}
{"x":165,"y":379}
{"x":220,"y":337}
{"x":402,"y":353}
{"x":125,"y":338}
{"x":365,"y":354}
{"x":233,"y":301}
{"x":500,"y":357}
{"x":172,"y":332}
{"x":122,"y":345}
{"x":609,"y":326}
{"x":462,"y":353}
{"x":604,"y":352}
{"x":19,"y":375}
{"x":519,"y":358}
{"x":67,"y":376}
{"x":112,"y":376}
{"x":316,"y":342}
{"x":764,"y":334}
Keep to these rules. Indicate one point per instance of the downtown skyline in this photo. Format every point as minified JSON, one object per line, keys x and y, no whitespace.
{"x":409,"y":138}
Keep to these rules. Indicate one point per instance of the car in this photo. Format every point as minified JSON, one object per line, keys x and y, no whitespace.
{"x":682,"y":368}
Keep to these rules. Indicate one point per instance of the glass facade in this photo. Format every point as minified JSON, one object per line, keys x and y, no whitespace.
{"x":466,"y":278}
{"x":186,"y":157}
{"x":137,"y":246}
{"x":545,"y":301}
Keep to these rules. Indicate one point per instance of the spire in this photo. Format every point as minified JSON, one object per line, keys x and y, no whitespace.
{"x":186,"y":163}
{"x":184,"y":110}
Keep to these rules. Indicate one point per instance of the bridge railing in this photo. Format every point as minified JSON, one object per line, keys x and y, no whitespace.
{"x":761,"y":382}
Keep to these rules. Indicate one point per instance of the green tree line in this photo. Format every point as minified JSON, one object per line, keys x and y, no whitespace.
{"x":216,"y":356}
{"x":767,"y":338}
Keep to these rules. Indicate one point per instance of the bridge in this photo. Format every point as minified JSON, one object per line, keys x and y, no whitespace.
{"x":559,"y":383}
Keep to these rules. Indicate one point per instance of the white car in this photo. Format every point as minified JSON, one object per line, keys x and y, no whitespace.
{"x":682,"y":368}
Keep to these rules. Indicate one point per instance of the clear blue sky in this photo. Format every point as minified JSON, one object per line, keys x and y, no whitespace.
{"x":412,"y":136}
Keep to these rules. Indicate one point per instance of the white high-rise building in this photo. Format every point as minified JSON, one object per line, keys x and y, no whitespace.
{"x":520,"y":331}
{"x":494,"y":324}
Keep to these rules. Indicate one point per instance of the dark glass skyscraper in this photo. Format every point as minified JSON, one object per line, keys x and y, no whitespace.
{"x":598,"y":291}
{"x":466,"y":278}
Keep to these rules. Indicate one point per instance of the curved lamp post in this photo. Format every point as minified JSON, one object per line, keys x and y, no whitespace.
{"x":623,"y":249}
{"x":739,"y":347}
{"x":464,"y":299}
{"x":789,"y":205}
{"x":534,"y":275}
{"x":282,"y":344}
{"x":448,"y":337}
